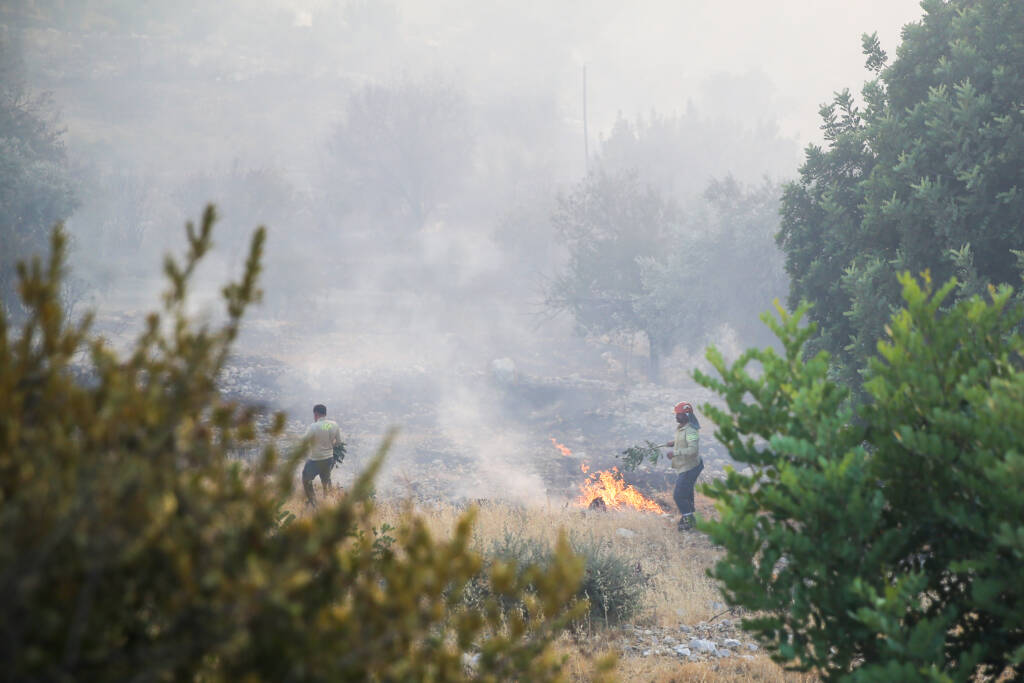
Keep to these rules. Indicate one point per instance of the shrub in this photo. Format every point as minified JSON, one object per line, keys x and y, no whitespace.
{"x":613,"y":585}
{"x":133,"y":547}
{"x":882,"y":542}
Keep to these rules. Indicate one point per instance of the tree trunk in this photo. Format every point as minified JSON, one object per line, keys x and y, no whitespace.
{"x":654,"y":366}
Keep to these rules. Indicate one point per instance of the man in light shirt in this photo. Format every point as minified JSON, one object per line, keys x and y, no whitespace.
{"x":323,"y":434}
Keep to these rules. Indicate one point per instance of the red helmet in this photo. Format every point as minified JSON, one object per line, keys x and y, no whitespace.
{"x":684,"y":408}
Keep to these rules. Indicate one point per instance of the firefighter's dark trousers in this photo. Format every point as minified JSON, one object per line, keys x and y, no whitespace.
{"x":683,"y":494}
{"x":312,"y":470}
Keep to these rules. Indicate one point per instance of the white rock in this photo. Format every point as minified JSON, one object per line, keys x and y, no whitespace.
{"x":752,"y":647}
{"x":731,"y":642}
{"x":647,"y":653}
{"x":723,"y":652}
{"x":682,"y":651}
{"x":625,"y":533}
{"x":701,"y":645}
{"x":686,"y":629}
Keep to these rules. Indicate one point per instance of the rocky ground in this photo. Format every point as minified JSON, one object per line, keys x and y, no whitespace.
{"x":694,"y":642}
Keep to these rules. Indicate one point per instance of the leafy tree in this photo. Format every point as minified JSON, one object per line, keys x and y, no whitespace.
{"x":637,"y":264}
{"x":927,"y":176}
{"x":133,"y":547}
{"x":400,"y":152}
{"x":35,"y":185}
{"x":610,"y":222}
{"x":721,"y":269}
{"x":883,"y":541}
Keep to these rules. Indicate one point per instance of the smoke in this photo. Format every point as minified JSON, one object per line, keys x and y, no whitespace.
{"x":474,"y":423}
{"x":406,"y":158}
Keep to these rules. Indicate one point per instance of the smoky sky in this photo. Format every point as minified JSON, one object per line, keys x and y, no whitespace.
{"x":278,"y":65}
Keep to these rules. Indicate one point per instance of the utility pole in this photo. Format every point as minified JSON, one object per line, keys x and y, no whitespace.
{"x":586,"y":152}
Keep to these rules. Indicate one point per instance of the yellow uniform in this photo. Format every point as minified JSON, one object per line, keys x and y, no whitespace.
{"x":686,"y":453}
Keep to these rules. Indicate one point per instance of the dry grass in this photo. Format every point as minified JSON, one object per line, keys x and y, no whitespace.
{"x":680,"y":591}
{"x":662,"y":670}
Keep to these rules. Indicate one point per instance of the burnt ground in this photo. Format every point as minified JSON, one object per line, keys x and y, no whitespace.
{"x":490,"y":436}
{"x":470,"y":426}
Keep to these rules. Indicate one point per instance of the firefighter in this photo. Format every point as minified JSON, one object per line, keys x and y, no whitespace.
{"x":324,"y":436}
{"x":686,"y":461}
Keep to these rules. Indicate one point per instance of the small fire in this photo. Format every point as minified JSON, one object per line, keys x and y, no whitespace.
{"x":609,"y":486}
{"x":563,"y":449}
{"x":583,"y":468}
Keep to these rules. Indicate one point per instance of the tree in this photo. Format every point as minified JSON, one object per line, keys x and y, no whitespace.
{"x":400,"y":152}
{"x":927,"y":176}
{"x":721,"y":269}
{"x":610,"y":222}
{"x":132,"y":546}
{"x":882,"y":541}
{"x":638,"y":264}
{"x":35,"y":186}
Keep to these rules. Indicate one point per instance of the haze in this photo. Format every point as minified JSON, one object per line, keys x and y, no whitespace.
{"x":409,"y":160}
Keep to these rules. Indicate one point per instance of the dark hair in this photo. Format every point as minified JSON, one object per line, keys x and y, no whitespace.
{"x":320,"y":409}
{"x":693,"y":421}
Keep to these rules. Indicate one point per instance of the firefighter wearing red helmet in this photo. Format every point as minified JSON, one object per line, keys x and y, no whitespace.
{"x":686,"y":461}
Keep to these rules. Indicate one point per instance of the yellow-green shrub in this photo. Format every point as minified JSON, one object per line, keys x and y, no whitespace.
{"x":132,"y":547}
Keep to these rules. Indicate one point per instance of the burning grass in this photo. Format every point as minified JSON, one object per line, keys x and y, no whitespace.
{"x":608,"y":487}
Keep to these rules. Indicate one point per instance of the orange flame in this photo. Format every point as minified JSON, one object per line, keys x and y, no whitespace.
{"x":563,"y":449}
{"x":583,"y":468}
{"x":609,"y":486}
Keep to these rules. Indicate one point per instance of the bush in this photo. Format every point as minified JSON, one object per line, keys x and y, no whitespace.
{"x":882,"y":542}
{"x":133,"y":547}
{"x":613,"y":585}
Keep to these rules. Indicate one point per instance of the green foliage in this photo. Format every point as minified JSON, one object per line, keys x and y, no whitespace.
{"x":613,"y":585}
{"x":610,"y":222}
{"x":928,"y":174}
{"x":721,"y":267}
{"x":338,"y":453}
{"x":633,"y":456}
{"x":636,"y":264}
{"x":133,"y":546}
{"x":882,"y":542}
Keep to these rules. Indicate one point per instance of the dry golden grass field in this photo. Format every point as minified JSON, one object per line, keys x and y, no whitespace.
{"x":679,"y":594}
